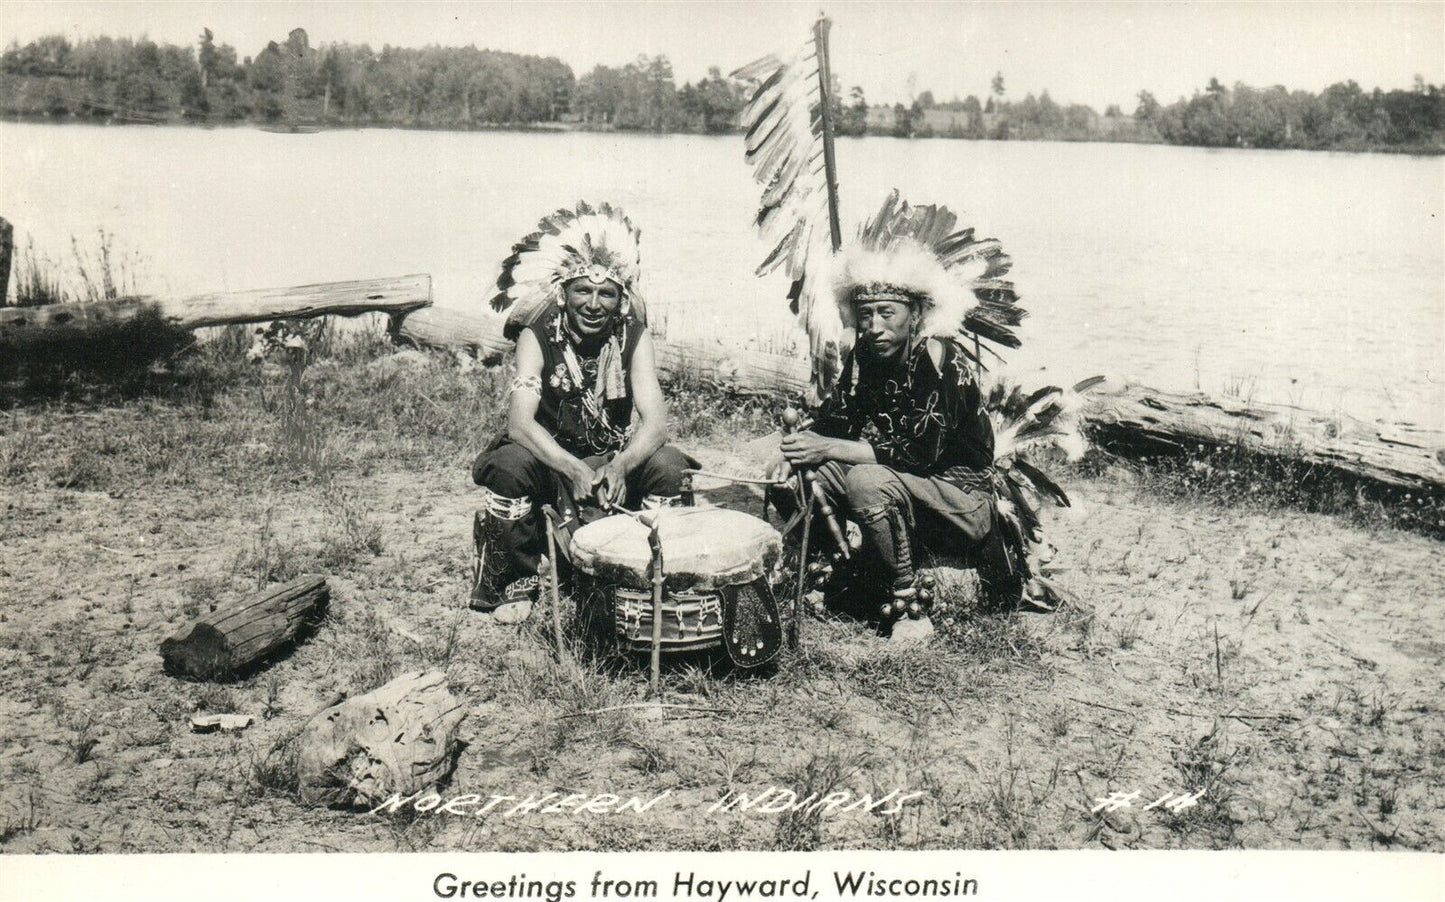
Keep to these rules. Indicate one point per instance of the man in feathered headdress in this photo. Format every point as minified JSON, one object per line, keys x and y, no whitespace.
{"x":585,"y":364}
{"x":903,"y":443}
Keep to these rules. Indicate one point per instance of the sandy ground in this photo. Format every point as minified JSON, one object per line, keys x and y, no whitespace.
{"x":1281,"y":671}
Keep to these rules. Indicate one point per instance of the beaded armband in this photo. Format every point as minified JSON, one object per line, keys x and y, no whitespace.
{"x":531,"y":384}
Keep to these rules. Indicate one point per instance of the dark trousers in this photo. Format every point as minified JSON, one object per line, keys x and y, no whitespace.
{"x":512,"y":471}
{"x":901,"y":513}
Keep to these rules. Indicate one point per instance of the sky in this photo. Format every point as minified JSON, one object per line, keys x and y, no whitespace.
{"x":1096,"y":53}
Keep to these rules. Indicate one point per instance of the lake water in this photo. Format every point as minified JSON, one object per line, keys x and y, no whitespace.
{"x":1316,"y":278}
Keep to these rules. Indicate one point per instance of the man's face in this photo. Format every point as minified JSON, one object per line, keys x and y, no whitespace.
{"x":591,"y":305}
{"x":885,"y":327}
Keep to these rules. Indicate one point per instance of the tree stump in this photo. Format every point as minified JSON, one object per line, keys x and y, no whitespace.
{"x":233,"y":639}
{"x":400,"y":738}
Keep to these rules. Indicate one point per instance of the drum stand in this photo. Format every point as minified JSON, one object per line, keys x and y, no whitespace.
{"x":810,"y":492}
{"x":552,"y":582}
{"x":654,"y":541}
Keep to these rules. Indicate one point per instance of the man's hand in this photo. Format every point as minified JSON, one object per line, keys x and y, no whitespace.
{"x":806,"y":449}
{"x":610,"y":482}
{"x":580,"y":479}
{"x":778,"y":468}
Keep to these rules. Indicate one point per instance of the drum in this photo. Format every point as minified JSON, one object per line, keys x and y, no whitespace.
{"x":717,"y":566}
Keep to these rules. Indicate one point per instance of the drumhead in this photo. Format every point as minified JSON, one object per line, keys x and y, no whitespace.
{"x":702,"y":548}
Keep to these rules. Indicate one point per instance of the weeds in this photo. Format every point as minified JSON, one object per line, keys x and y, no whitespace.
{"x":24,"y":819}
{"x":99,"y":273}
{"x":295,"y":343}
{"x":1057,"y":720}
{"x":215,"y":699}
{"x":1203,"y":766}
{"x":1233,"y":476}
{"x":82,"y":744}
{"x":1129,"y":633}
{"x":800,"y":828}
{"x":354,"y":532}
{"x":274,"y":773}
{"x":271,"y":706}
{"x":270,"y":561}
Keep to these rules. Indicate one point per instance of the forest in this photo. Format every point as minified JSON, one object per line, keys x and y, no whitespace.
{"x":340,"y":84}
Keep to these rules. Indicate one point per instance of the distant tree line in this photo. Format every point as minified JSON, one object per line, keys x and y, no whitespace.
{"x":464,"y":87}
{"x":1344,"y":116}
{"x":290,"y":80}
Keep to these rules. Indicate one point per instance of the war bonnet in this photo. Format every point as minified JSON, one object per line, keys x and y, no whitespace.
{"x":913,"y":255}
{"x":597,"y":244}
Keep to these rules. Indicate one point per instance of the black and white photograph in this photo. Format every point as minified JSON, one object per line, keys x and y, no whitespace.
{"x":664,"y":427}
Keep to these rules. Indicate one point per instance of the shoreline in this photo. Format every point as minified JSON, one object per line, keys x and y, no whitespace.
{"x":1426,"y":151}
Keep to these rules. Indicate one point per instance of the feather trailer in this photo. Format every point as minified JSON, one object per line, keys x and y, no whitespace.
{"x":566,"y":244}
{"x":1025,"y":422}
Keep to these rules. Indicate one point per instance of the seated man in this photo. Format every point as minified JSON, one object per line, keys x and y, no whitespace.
{"x":585,"y":364}
{"x":904,"y":447}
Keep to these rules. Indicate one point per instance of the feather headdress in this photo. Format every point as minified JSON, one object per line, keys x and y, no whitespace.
{"x":915,"y":253}
{"x":596,"y":243}
{"x":788,"y":139}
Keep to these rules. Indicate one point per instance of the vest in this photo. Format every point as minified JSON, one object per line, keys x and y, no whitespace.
{"x":562,"y":411}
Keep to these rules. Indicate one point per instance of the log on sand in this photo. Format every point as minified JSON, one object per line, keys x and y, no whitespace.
{"x":400,"y":738}
{"x":1129,"y":418}
{"x":1134,"y":418}
{"x":730,"y":369}
{"x":1141,"y":420}
{"x":25,"y":329}
{"x":451,"y":329}
{"x":235,"y":638}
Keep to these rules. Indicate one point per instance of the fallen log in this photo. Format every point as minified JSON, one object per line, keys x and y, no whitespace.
{"x":400,"y":738}
{"x":712,"y":363}
{"x":735,"y":370}
{"x":451,"y":329}
{"x":234,"y":639}
{"x":1145,"y":420}
{"x":28,"y":328}
{"x":1400,"y":455}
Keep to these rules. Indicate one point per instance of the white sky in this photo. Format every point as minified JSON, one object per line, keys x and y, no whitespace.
{"x":1095,"y":53}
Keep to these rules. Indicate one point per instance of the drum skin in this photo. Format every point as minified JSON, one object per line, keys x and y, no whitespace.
{"x":703,"y":548}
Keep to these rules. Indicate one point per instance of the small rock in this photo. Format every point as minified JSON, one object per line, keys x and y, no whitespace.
{"x":210,"y":723}
{"x":908,"y":631}
{"x":401,"y":360}
{"x":515,"y":612}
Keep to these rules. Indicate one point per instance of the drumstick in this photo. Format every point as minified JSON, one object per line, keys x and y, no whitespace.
{"x":791,"y":419}
{"x":744,"y":480}
{"x":654,"y":540}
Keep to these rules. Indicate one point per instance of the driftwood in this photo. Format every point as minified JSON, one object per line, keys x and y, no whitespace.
{"x":480,"y":333}
{"x":451,"y":329}
{"x":1129,"y":417}
{"x":24,"y":328}
{"x":234,"y":639}
{"x":400,"y":738}
{"x":735,"y":370}
{"x":1146,"y":420}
